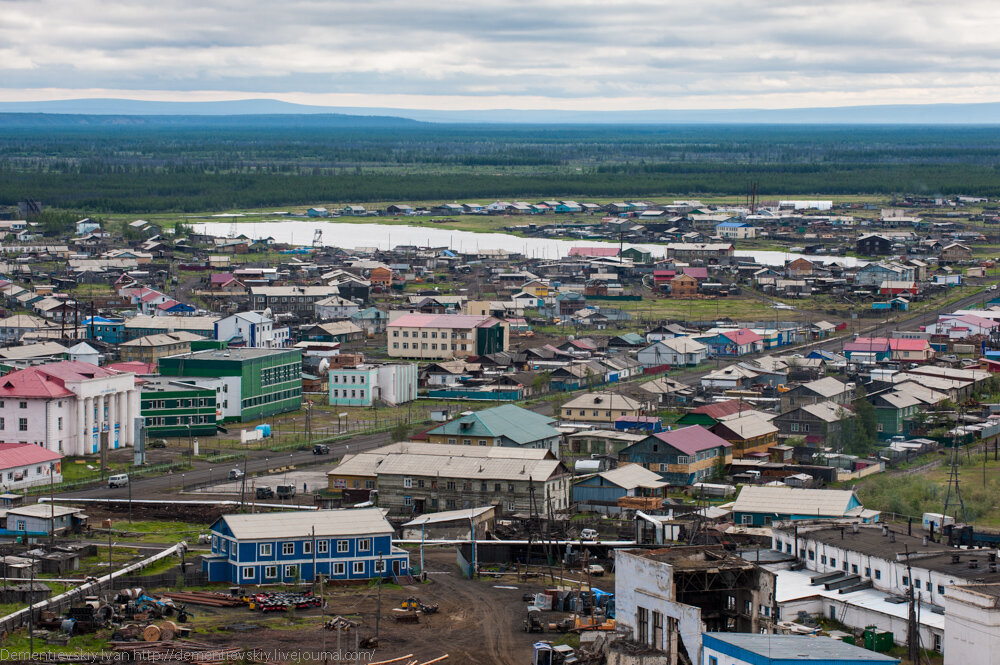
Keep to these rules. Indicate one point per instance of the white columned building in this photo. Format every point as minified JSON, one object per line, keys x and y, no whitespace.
{"x":65,"y":406}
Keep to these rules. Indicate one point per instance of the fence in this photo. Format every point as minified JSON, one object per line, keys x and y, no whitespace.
{"x":68,"y":486}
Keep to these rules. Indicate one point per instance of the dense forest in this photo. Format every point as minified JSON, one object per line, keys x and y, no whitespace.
{"x":149,"y":164}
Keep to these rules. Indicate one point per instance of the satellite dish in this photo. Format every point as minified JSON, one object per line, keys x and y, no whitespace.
{"x":324,"y":366}
{"x":267,"y":313}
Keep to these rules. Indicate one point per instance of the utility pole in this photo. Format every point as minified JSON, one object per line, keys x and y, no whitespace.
{"x":52,"y":504}
{"x":378,"y":611}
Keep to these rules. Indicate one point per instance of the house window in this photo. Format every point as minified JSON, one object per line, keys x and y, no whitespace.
{"x":22,"y":405}
{"x":307,"y":547}
{"x":22,"y":424}
{"x":322,"y":546}
{"x":291,"y":570}
{"x":407,"y":500}
{"x":248,"y":572}
{"x":642,"y":625}
{"x":288,"y":548}
{"x":380,"y":566}
{"x":407,"y":482}
{"x":364,"y":545}
{"x":270,"y":572}
{"x":342,"y":546}
{"x":358,"y":568}
{"x":941,"y":589}
{"x":265,"y":549}
{"x":878,"y":574}
{"x":906,"y":581}
{"x":511,"y":507}
{"x":59,"y":423}
{"x":338,"y":569}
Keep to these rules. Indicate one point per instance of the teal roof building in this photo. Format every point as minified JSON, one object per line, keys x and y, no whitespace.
{"x":506,"y":425}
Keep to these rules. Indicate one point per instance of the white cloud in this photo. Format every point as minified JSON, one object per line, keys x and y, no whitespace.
{"x":516,"y":54}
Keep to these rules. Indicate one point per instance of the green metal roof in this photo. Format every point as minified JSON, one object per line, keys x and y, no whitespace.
{"x":508,"y":421}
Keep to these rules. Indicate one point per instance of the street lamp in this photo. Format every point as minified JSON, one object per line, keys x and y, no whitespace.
{"x":210,"y":478}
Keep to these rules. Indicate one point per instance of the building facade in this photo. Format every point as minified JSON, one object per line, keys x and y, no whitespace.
{"x":338,"y":544}
{"x":445,"y":336}
{"x":175,"y":408}
{"x":256,"y":382}
{"x":68,"y":407}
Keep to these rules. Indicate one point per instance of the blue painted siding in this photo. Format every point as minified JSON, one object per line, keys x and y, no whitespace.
{"x":290,"y":559}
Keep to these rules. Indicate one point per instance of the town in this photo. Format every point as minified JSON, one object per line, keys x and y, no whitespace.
{"x":690,"y":433}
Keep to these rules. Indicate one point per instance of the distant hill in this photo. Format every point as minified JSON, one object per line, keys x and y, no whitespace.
{"x":117,"y":110}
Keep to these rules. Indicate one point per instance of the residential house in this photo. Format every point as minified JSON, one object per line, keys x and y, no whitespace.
{"x":735,"y":230}
{"x":336,"y":307}
{"x":955,"y":253}
{"x":506,"y":425}
{"x":333,"y":331}
{"x":600,"y":492}
{"x":760,"y":505}
{"x":151,"y":348}
{"x":748,"y":434}
{"x":681,"y":456}
{"x":365,"y":385}
{"x":732,"y":342}
{"x":873,"y":245}
{"x":298,"y":300}
{"x":251,"y":329}
{"x":341,"y":545}
{"x":673,"y":351}
{"x":820,"y":390}
{"x":600,"y":407}
{"x":683,"y":286}
{"x":25,"y":465}
{"x":817,"y":423}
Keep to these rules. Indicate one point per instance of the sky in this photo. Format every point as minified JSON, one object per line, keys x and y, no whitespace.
{"x":488,"y":54}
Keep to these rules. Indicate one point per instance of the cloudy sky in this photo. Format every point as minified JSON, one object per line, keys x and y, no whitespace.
{"x":482,"y":54}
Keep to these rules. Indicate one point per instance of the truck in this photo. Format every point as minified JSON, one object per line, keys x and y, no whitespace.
{"x":286,"y":491}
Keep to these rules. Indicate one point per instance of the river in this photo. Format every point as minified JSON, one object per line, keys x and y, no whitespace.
{"x":387,"y":236}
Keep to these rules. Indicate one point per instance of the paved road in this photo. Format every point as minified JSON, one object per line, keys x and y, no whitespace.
{"x":256,"y":462}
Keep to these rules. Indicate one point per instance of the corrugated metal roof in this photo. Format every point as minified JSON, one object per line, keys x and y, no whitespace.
{"x":328,"y":523}
{"x":371,"y":462}
{"x":793,"y":501}
{"x":450,"y":516}
{"x":748,"y":427}
{"x":630,"y":476}
{"x":693,"y":439}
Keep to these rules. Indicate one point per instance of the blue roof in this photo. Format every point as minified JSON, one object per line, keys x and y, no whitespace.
{"x":792,"y":648}
{"x":732,"y":225}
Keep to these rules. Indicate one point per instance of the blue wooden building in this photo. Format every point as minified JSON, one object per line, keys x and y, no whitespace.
{"x":268,"y":548}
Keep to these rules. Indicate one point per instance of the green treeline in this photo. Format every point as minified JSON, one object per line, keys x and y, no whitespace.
{"x":152,"y":165}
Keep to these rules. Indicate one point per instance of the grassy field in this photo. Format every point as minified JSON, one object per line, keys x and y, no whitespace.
{"x":925,"y":492}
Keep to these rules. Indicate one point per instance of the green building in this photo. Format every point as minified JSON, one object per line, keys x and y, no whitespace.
{"x":249,"y":384}
{"x":175,"y":408}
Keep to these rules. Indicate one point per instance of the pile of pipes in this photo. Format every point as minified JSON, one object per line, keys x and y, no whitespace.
{"x":207,"y":598}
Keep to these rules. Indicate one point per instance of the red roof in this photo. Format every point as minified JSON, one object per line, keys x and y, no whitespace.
{"x":593,"y":251}
{"x":692,"y":440}
{"x":743,"y":336}
{"x":462,"y":321}
{"x":48,"y":381}
{"x":723,"y":409}
{"x":222,"y":277}
{"x":13,"y":455}
{"x":167,"y":304}
{"x":151,"y":295}
{"x":134,"y":366}
{"x":697,"y":273}
{"x":894,"y":344}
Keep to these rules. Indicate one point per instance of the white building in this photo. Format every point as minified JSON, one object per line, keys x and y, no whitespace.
{"x":674,"y":351}
{"x":25,"y":464}
{"x":972,"y":624}
{"x":335,"y":307}
{"x":252,"y":330}
{"x":67,"y":406}
{"x":362,"y":385}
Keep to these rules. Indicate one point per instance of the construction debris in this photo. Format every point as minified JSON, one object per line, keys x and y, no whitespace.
{"x":185,"y":651}
{"x":207,"y":598}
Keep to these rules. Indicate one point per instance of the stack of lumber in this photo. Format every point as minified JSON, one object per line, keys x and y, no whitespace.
{"x":185,"y":651}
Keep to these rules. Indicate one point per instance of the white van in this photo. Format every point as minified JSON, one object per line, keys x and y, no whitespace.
{"x":121,"y":480}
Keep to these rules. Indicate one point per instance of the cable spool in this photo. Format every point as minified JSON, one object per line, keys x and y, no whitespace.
{"x":67,"y":626}
{"x":168,"y":630}
{"x":151,"y":634}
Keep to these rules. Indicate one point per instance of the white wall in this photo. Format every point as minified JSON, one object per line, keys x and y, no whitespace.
{"x":971,"y":628}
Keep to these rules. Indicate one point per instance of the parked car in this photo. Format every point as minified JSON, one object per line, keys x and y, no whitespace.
{"x":286,"y":491}
{"x":588,"y":534}
{"x":321,"y":449}
{"x":264,"y":492}
{"x":595,"y":569}
{"x":235,"y":474}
